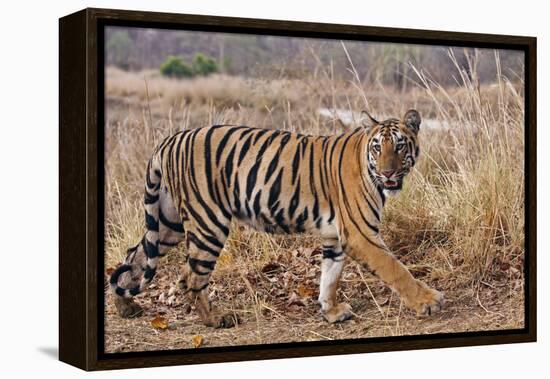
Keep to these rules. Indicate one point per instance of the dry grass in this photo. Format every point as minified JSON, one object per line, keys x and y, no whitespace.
{"x":458,"y":223}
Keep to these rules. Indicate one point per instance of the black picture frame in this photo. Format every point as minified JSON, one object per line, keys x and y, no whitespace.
{"x":81,"y":292}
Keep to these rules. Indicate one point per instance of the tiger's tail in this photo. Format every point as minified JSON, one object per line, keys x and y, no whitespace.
{"x":150,"y":241}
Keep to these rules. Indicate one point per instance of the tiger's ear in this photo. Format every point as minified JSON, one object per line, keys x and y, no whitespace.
{"x":367,"y":121}
{"x":412,"y":120}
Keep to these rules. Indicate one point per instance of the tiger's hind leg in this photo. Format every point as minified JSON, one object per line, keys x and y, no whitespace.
{"x":203,"y":250}
{"x":331,"y":269}
{"x":133,"y":266}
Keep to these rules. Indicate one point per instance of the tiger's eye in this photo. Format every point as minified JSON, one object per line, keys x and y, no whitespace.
{"x":376,"y":148}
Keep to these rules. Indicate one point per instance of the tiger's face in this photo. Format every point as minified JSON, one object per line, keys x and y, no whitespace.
{"x":392,"y":150}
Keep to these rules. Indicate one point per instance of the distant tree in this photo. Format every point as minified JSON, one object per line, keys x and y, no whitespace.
{"x":119,"y":48}
{"x":176,"y":67}
{"x":203,"y":65}
{"x":391,"y":63}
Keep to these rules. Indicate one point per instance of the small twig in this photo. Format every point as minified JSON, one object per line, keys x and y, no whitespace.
{"x":320,"y":335}
{"x":149,"y":108}
{"x":485,"y":309}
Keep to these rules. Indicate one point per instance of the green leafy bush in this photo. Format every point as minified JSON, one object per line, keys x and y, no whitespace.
{"x":203,"y":65}
{"x":176,"y":67}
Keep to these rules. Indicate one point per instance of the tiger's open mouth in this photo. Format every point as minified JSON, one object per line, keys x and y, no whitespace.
{"x":392,"y":184}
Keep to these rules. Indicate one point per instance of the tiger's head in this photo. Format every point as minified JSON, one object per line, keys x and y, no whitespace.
{"x":392,"y":149}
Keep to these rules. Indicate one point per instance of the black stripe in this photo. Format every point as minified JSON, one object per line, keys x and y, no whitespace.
{"x":301,"y":219}
{"x":151,"y":223}
{"x":192,"y":238}
{"x":312,"y":183}
{"x":332,"y":213}
{"x":119,"y":271}
{"x":229,"y":165}
{"x":213,"y":240}
{"x":323,"y":168}
{"x":257,"y":203}
{"x":280,"y":220}
{"x":373,"y":210}
{"x":296,"y":163}
{"x":272,"y":166}
{"x":334,"y":145}
{"x":177,"y":175}
{"x":225,"y":188}
{"x":149,"y":273}
{"x":252,"y":178}
{"x":151,"y":250}
{"x":175,"y":226}
{"x":150,"y":199}
{"x":223,"y":142}
{"x":318,"y":222}
{"x":150,"y":184}
{"x":275,"y":189}
{"x":315,"y":208}
{"x":237,"y":195}
{"x":170,"y":146}
{"x":331,"y":254}
{"x":244,"y":149}
{"x":193,"y":263}
{"x":132,"y":249}
{"x":248,"y":210}
{"x":294,"y":201}
{"x":258,"y":135}
{"x":371,"y":226}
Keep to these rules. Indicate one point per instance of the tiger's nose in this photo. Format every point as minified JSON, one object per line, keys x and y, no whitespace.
{"x":387,"y":173}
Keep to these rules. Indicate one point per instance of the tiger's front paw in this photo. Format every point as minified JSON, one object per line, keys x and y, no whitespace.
{"x":338,"y":313}
{"x":428,"y":301}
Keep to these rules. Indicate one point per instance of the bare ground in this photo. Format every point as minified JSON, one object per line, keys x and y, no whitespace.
{"x":276,"y":303}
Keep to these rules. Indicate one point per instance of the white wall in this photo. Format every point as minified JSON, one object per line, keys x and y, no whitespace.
{"x":28,"y":151}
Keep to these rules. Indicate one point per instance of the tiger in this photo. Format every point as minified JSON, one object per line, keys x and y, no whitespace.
{"x":198,"y":180}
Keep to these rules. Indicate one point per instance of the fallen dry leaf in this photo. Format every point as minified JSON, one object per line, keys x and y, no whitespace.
{"x":197,"y":340}
{"x":305,"y":291}
{"x":159,"y":322}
